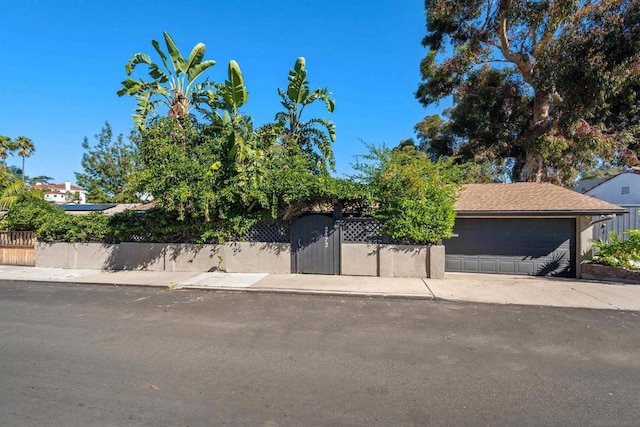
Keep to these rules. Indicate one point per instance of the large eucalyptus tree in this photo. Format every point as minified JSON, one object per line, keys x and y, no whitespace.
{"x":566,"y":59}
{"x":173,"y":82}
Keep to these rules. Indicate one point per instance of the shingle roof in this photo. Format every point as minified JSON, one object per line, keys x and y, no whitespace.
{"x":528,"y":197}
{"x":144,"y":206}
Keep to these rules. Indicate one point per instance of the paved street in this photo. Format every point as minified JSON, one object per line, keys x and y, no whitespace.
{"x":82,"y":355}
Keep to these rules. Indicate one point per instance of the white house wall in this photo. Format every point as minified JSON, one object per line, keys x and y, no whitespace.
{"x":611,"y":190}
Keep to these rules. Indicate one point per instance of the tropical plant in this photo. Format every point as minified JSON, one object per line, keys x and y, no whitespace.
{"x":175,"y":87}
{"x":12,"y":186}
{"x":618,"y":252}
{"x":314,"y":137}
{"x":25,"y":148}
{"x":226,"y":119}
{"x":9,"y":194}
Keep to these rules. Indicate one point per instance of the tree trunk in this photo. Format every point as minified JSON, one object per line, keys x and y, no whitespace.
{"x":534,"y":168}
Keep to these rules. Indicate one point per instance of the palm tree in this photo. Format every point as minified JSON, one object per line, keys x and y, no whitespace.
{"x":175,"y":87}
{"x":25,"y":148}
{"x":6,"y":147}
{"x":314,"y":142}
{"x":10,"y":192}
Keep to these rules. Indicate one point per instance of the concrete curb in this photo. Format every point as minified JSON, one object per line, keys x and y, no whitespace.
{"x":481,"y":289}
{"x":252,"y":290}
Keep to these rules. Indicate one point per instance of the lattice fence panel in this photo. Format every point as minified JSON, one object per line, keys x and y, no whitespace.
{"x":269,"y":231}
{"x":361,"y":230}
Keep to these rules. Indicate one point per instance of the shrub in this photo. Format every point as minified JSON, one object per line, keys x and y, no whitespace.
{"x":51,"y":223}
{"x":618,"y":252}
{"x":30,"y":213}
{"x":412,"y":195}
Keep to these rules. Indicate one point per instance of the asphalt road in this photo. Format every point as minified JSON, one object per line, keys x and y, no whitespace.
{"x":73,"y":355}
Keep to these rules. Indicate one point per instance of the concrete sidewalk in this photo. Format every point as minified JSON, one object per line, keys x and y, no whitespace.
{"x":484,"y":288}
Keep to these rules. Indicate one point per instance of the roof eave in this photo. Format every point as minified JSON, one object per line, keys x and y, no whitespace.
{"x":563,"y":213}
{"x":600,"y":183}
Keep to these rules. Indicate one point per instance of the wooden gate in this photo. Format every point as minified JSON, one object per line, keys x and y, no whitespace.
{"x":18,"y":248}
{"x":315,"y":242}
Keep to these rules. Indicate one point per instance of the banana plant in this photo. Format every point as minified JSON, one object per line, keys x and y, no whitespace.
{"x":225,"y":117}
{"x":314,"y":137}
{"x":223,"y":112}
{"x":173,"y":86}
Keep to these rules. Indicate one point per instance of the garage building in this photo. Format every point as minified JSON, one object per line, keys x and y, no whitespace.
{"x":523,"y":228}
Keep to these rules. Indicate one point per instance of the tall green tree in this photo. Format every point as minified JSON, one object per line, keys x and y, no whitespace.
{"x":491,"y":111}
{"x":495,"y":57}
{"x":314,"y":136}
{"x":42,"y":179}
{"x":173,"y":85}
{"x":25,"y":148}
{"x":6,"y":148}
{"x":107,"y":166}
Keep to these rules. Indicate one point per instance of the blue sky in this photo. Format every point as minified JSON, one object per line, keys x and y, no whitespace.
{"x":63,"y":62}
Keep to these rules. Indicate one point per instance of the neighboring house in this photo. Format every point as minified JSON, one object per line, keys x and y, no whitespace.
{"x":622,"y":189}
{"x":522,"y":228}
{"x":62,"y":193}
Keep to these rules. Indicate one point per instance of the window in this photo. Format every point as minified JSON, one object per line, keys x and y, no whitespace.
{"x":625,"y":190}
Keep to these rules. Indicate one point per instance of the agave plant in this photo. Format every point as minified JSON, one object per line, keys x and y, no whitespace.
{"x":173,"y":86}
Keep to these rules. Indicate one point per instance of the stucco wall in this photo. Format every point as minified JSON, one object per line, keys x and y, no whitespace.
{"x":239,"y":257}
{"x":584,"y":233}
{"x":359,"y":259}
{"x":235,"y":257}
{"x":392,"y":260}
{"x":436,"y":262}
{"x":403,"y":261}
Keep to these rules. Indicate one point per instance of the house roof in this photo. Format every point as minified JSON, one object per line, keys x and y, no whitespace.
{"x":57,"y":187}
{"x":87,"y":207}
{"x":528,"y":198}
{"x":589,"y":184}
{"x":144,"y":206}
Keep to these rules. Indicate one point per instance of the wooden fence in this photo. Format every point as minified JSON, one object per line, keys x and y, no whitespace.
{"x":630,"y":220}
{"x":18,"y":248}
